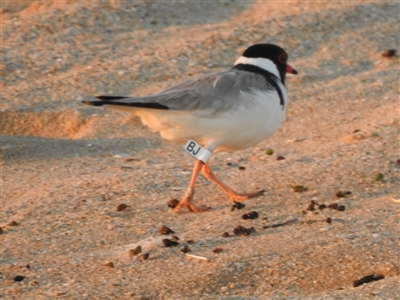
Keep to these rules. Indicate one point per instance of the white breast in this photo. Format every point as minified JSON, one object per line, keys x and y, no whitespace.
{"x":250,"y":124}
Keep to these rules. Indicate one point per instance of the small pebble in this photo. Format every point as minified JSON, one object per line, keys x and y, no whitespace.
{"x":389,"y":53}
{"x":186,"y":249}
{"x":122,"y":207}
{"x":240,"y":230}
{"x":217,"y":250}
{"x":145,"y":256}
{"x":13,"y":223}
{"x":322,"y":206}
{"x":169,"y":243}
{"x":280,"y":157}
{"x":333,"y":206}
{"x":328,"y":220}
{"x":299,"y":188}
{"x":342,"y":194}
{"x":225,"y":235}
{"x":398,"y":162}
{"x":1,"y":230}
{"x":242,"y":168}
{"x":19,"y":278}
{"x":237,"y":205}
{"x":311,"y":207}
{"x":165,"y":230}
{"x":173,"y":203}
{"x":251,"y":215}
{"x":379,"y":177}
{"x":109,"y":264}
{"x":136,"y":251}
{"x":269,"y":151}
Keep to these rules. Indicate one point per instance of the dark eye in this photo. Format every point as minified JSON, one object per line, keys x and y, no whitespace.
{"x":282,"y":58}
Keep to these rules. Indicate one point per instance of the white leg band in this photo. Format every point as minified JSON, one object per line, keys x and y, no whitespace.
{"x":189,"y":193}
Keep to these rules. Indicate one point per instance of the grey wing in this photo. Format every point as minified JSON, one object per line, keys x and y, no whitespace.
{"x":211,"y":93}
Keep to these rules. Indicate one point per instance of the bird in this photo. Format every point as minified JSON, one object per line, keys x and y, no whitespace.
{"x":225,"y":111}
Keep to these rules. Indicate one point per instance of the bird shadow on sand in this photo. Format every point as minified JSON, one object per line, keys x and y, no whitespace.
{"x":14,"y":148}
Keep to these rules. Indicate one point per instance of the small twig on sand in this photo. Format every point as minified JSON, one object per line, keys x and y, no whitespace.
{"x":280,"y":224}
{"x":197,"y":257}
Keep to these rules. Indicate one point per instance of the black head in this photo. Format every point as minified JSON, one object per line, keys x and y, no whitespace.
{"x":274,"y":53}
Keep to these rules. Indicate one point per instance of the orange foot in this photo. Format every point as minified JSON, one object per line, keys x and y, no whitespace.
{"x":187,"y":202}
{"x":244,"y":196}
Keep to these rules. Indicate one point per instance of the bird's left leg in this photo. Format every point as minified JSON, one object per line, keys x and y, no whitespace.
{"x":187,"y":199}
{"x":208,"y":173}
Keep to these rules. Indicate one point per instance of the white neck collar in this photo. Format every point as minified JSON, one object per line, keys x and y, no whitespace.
{"x":263,"y":63}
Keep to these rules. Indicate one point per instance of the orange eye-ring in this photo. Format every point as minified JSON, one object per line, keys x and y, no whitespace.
{"x":283,"y":58}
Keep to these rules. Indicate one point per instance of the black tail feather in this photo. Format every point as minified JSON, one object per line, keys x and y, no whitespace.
{"x":110,"y":98}
{"x":113,"y":100}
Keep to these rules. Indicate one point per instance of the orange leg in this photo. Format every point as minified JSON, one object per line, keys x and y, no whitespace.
{"x":187,"y":199}
{"x":208,"y":173}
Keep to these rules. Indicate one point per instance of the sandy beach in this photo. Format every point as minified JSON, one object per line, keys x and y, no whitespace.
{"x":66,"y":168}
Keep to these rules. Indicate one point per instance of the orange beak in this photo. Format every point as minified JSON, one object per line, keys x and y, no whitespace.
{"x":290,"y":70}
